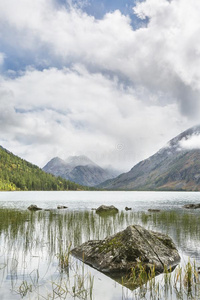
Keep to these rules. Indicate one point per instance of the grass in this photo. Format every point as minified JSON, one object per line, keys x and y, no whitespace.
{"x":182,"y":283}
{"x":43,"y":241}
{"x":64,"y":256}
{"x":80,"y":286}
{"x":24,"y":289}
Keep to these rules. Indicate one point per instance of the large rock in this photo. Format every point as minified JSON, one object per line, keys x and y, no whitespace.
{"x":107,"y":209}
{"x":118,"y":254}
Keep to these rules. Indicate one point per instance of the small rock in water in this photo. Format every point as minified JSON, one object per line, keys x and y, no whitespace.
{"x":153,"y":210}
{"x":128,"y":208}
{"x":34,"y":207}
{"x":192,"y":206}
{"x":107,"y":209}
{"x":61,"y":207}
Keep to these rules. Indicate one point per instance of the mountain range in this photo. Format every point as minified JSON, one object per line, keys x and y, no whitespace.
{"x":173,"y":167}
{"x":79,"y":169}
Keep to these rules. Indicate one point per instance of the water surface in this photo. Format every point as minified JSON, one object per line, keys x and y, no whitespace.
{"x":30,"y":243}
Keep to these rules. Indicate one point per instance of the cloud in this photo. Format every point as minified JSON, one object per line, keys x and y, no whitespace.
{"x":163,"y":56}
{"x":73,"y":111}
{"x":97,"y":86}
{"x":190,"y":143}
{"x":2,"y":57}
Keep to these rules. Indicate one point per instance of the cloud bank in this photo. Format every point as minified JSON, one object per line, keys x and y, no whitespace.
{"x":190,"y":143}
{"x":74,"y":84}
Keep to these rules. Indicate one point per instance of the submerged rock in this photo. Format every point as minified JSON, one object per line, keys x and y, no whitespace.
{"x":192,"y":206}
{"x":61,"y":207}
{"x":34,"y":207}
{"x":119,"y":253}
{"x":128,"y":208}
{"x":107,"y":209}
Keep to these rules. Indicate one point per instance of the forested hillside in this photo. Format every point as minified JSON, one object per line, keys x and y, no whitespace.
{"x":18,"y":174}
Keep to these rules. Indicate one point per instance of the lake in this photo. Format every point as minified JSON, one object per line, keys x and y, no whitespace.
{"x":33,"y":245}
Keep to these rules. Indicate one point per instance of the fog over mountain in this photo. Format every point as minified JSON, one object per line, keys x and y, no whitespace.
{"x":174,"y":167}
{"x":79,"y":169}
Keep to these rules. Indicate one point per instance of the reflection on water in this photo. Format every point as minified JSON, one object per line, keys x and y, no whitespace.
{"x":30,"y":244}
{"x":182,"y":226}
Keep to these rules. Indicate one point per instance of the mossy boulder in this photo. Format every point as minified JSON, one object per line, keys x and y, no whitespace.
{"x":104,"y":209}
{"x":33,"y":207}
{"x":120,"y":253}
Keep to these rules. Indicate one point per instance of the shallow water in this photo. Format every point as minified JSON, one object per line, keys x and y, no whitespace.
{"x":30,"y":243}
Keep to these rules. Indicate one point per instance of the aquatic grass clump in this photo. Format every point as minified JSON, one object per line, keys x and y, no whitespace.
{"x":64,"y":256}
{"x":24,"y":289}
{"x":181,"y":283}
{"x":188,"y":277}
{"x":83,"y":285}
{"x":80,"y":286}
{"x":139,"y":275}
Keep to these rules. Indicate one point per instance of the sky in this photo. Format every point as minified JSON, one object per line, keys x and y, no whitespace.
{"x":114,"y":80}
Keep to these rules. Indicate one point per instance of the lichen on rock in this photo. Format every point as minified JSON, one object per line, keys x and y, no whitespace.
{"x":118,"y":254}
{"x":104,"y":209}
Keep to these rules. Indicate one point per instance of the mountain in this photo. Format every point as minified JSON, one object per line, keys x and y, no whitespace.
{"x":79,"y":169}
{"x":171,"y":168}
{"x":81,"y":160}
{"x":57,"y":166}
{"x":18,"y":174}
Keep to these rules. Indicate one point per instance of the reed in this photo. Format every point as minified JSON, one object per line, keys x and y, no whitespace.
{"x":64,"y":256}
{"x":35,"y":241}
{"x":182,"y":283}
{"x":24,"y":289}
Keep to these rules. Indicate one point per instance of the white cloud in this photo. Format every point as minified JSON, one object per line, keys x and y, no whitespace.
{"x":74,"y":105}
{"x":77,"y":112}
{"x":190,"y":143}
{"x":163,"y":56}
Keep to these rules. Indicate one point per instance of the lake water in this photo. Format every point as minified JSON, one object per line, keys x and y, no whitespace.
{"x":31,"y":244}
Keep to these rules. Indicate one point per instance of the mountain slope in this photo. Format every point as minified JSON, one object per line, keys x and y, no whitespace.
{"x":88,"y":175}
{"x":171,"y":168}
{"x":57,"y":167}
{"x":81,"y":160}
{"x":79,"y":169}
{"x":18,"y":174}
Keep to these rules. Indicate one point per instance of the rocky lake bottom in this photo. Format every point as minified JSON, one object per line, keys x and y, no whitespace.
{"x":35,"y":259}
